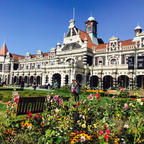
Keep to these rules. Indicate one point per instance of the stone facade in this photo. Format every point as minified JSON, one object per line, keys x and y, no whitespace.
{"x":82,"y":56}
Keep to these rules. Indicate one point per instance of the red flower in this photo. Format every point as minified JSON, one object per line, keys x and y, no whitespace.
{"x":86,"y":106}
{"x":106,"y":137}
{"x":97,"y":95}
{"x":60,"y":101}
{"x":100,"y":133}
{"x":142,"y":100}
{"x":121,"y":89}
{"x":105,"y":125}
{"x":16,"y":99}
{"x":29,"y":114}
{"x":9,"y":102}
{"x":133,"y":98}
{"x":98,"y":99}
{"x":26,"y":117}
{"x":108,"y":131}
{"x":78,"y":103}
{"x":36,"y":116}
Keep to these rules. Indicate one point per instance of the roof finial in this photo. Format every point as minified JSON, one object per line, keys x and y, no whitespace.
{"x":73,"y":13}
{"x":91,"y":13}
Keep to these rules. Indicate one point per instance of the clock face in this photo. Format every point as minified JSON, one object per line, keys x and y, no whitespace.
{"x":88,"y":28}
{"x":113,"y":46}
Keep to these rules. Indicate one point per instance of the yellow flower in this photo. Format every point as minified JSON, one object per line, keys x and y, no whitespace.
{"x":83,"y":126}
{"x":139,"y":100}
{"x":116,"y":140}
{"x":22,"y":124}
{"x":42,"y":124}
{"x":95,"y":125}
{"x":29,"y":126}
{"x":89,"y":128}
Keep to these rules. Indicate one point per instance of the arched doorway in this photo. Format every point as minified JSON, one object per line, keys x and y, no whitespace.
{"x":20,"y":79}
{"x":140,"y":81}
{"x":79,"y":78}
{"x":46,"y":79}
{"x":66,"y":79}
{"x":56,"y":79}
{"x":15,"y":79}
{"x":94,"y":80}
{"x":38,"y":80}
{"x":123,"y":81}
{"x":31,"y":80}
{"x":107,"y":82}
{"x":25,"y":79}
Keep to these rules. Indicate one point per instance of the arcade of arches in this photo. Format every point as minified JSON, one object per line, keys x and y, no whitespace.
{"x":123,"y":80}
{"x":104,"y":83}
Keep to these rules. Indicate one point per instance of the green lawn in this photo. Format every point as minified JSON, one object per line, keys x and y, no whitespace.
{"x":2,"y":107}
{"x":2,"y":112}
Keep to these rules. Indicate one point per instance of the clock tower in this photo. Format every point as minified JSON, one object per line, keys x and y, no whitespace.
{"x":91,"y":29}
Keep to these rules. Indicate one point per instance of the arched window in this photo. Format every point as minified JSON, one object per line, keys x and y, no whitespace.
{"x":113,"y":61}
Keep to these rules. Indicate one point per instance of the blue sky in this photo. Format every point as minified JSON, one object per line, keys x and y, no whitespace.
{"x":30,"y":25}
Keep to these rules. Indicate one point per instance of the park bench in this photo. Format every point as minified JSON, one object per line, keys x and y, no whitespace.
{"x":30,"y":104}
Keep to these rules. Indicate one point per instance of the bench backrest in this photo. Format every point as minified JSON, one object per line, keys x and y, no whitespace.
{"x":30,"y":104}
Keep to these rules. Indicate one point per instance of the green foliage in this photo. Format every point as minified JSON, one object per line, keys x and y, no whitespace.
{"x":95,"y":119}
{"x":2,"y":107}
{"x":6,"y":95}
{"x":1,"y":96}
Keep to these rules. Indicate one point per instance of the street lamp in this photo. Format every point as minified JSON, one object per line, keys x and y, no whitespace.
{"x":87,"y":74}
{"x":135,"y":65}
{"x":71,"y":64}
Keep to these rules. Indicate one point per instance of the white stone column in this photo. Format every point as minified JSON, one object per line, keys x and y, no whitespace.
{"x":10,"y":79}
{"x":43,"y":79}
{"x":120,"y":59}
{"x":50,"y":79}
{"x":62,"y":80}
{"x":106,"y":60}
{"x":84,"y":79}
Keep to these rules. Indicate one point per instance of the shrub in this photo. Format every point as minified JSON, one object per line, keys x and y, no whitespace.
{"x":1,"y":96}
{"x":6,"y":95}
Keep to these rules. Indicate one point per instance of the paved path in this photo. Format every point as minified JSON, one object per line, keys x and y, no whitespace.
{"x":31,"y":88}
{"x":1,"y":102}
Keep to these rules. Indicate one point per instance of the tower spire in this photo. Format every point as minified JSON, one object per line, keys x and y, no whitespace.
{"x":3,"y":50}
{"x":73,"y":13}
{"x":91,"y":13}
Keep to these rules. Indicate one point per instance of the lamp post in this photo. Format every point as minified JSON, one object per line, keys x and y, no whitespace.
{"x":87,"y":74}
{"x":101,"y":82}
{"x":135,"y":65}
{"x":116,"y":76}
{"x":92,"y":78}
{"x":71,"y":65}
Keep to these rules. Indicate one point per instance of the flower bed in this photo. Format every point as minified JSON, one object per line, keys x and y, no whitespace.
{"x":86,"y":121}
